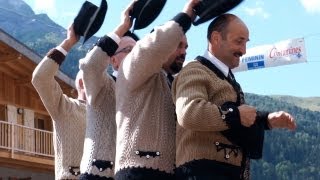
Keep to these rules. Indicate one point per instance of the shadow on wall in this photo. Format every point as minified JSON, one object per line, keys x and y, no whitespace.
{"x":18,"y":174}
{"x":15,"y":178}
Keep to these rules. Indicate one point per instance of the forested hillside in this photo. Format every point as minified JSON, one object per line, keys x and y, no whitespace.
{"x":288,"y":155}
{"x":39,"y":32}
{"x":311,"y":103}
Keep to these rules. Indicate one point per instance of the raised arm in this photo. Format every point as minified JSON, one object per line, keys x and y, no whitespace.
{"x":95,"y":63}
{"x":151,"y":52}
{"x":43,"y":77}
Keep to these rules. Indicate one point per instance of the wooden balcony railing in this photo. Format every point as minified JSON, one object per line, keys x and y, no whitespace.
{"x":22,"y":139}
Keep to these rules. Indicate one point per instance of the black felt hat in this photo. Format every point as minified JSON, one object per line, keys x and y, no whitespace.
{"x":209,"y":9}
{"x":89,"y":19}
{"x":145,"y":12}
{"x":132,"y":35}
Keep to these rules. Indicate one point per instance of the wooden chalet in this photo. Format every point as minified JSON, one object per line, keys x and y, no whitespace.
{"x":26,"y":144}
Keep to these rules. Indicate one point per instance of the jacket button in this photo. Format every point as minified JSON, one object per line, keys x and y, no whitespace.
{"x":227,"y":156}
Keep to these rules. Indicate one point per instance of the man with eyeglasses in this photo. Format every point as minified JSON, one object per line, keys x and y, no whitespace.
{"x":100,"y":141}
{"x":126,"y":44}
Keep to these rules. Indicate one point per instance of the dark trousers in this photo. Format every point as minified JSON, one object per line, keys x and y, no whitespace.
{"x":142,"y":174}
{"x":207,"y":170}
{"x":87,"y":176}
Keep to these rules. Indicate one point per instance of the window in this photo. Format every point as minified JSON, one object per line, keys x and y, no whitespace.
{"x":42,"y":122}
{"x":3,"y":112}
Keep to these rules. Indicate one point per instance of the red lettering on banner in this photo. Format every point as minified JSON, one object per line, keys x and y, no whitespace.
{"x":278,"y":53}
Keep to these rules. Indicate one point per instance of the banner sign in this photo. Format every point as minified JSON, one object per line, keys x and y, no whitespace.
{"x":291,"y":51}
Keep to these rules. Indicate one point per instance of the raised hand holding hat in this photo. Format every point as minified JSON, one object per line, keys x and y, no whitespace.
{"x":209,"y":9}
{"x":189,"y":8}
{"x":144,"y":12}
{"x":90,"y":19}
{"x":126,"y":22}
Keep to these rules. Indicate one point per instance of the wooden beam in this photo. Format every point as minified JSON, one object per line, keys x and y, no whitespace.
{"x":28,"y":64}
{"x":9,"y":71}
{"x":33,"y":163}
{"x":23,"y":81}
{"x":19,"y":68}
{"x":32,"y":90}
{"x":7,"y":58}
{"x":7,"y":53}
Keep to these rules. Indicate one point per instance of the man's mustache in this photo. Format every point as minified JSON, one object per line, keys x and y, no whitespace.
{"x":181,"y":57}
{"x":238,"y":54}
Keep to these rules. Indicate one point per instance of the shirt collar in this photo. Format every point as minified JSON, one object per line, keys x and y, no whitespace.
{"x":220,"y":65}
{"x":164,"y":72}
{"x":115,"y":73}
{"x":82,"y":101}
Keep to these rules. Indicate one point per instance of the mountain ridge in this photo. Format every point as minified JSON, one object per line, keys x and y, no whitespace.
{"x":40,"y":33}
{"x":311,"y":103}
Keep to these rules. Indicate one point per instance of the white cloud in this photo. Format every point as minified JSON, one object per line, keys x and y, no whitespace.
{"x":257,"y":10}
{"x":47,"y":6}
{"x":311,"y":6}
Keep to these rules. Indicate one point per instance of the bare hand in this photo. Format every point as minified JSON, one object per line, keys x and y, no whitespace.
{"x":71,"y":39}
{"x":125,"y":23}
{"x":71,"y":36}
{"x":188,"y":8}
{"x":247,"y":115}
{"x":281,"y":119}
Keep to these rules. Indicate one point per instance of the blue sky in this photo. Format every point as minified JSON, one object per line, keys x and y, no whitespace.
{"x":268,"y":21}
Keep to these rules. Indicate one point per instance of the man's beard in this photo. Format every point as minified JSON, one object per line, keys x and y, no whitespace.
{"x":176,"y":66}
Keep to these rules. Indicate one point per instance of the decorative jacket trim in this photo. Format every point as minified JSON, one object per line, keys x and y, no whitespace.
{"x":250,"y":139}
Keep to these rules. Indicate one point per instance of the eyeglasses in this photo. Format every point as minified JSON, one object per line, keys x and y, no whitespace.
{"x":124,"y":50}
